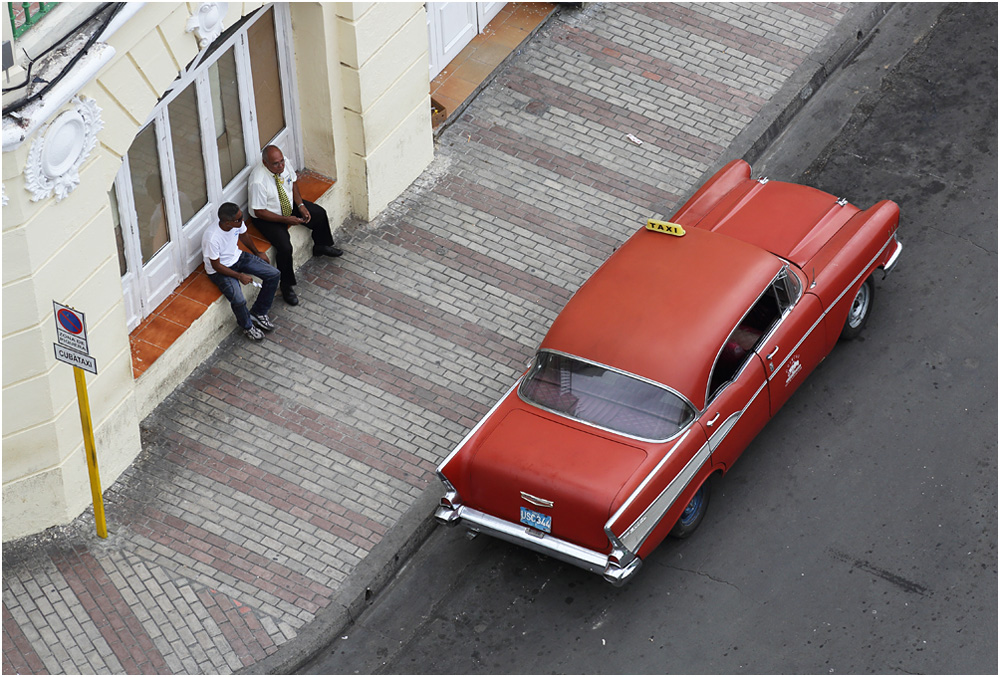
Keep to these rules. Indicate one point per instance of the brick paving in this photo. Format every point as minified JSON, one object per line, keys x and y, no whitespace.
{"x":275,"y":472}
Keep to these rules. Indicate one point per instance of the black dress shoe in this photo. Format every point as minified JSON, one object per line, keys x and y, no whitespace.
{"x":327,"y":250}
{"x":291,"y":298}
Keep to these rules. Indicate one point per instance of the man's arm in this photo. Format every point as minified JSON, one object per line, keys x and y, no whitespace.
{"x":249,"y":244}
{"x":229,"y":272}
{"x":256,"y":195}
{"x":277,"y":218}
{"x":297,"y":200}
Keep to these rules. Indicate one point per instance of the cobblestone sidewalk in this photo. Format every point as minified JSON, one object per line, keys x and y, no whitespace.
{"x":284,"y":481}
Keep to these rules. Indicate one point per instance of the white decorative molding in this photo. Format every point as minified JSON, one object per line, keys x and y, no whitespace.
{"x":206,"y":23}
{"x":60,"y":149}
{"x":22,"y":124}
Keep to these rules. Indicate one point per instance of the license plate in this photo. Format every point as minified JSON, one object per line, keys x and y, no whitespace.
{"x":536,"y":520}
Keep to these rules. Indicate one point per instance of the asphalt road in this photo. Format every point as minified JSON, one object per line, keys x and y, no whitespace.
{"x":858,"y":533}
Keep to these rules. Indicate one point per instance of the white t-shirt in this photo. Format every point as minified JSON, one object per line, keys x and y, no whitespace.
{"x":222,"y":245}
{"x":262,"y":189}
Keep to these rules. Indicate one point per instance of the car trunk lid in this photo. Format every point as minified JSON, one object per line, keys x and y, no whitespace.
{"x":554,"y":469}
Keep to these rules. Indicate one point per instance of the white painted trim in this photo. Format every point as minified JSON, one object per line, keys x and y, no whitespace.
{"x":120,"y":19}
{"x":37,"y":113}
{"x":40,"y":112}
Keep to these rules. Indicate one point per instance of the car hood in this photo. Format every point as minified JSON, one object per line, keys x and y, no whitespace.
{"x":581,"y":472}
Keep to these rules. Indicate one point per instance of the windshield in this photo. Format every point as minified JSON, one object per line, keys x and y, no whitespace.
{"x":605,"y":398}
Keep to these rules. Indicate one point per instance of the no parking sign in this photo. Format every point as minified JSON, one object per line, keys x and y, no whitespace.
{"x":72,"y":346}
{"x":73,"y":349}
{"x":71,"y":328}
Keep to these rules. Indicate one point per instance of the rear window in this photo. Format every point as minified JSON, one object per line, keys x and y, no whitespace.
{"x":604,"y":397}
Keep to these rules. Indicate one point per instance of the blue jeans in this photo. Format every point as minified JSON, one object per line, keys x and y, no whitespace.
{"x":231,"y":289}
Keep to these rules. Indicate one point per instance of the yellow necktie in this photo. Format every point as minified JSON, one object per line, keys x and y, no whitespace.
{"x":286,"y":205}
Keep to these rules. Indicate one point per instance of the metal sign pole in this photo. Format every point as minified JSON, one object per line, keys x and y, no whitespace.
{"x":88,"y":443}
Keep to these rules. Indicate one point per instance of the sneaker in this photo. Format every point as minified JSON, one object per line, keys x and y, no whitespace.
{"x":253,"y":333}
{"x":262,"y":322}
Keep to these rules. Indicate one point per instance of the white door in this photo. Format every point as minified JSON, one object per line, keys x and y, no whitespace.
{"x":196,"y":151}
{"x":450,"y":26}
{"x":485,"y":11}
{"x":151,"y":243}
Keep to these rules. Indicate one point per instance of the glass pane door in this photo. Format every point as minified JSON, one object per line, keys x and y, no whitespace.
{"x":158,"y":275}
{"x":266,"y":78}
{"x":147,"y":194}
{"x":228,"y":121}
{"x":189,"y":164}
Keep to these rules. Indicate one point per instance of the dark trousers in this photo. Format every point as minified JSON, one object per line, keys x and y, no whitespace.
{"x":231,"y":289}
{"x":277,"y":235}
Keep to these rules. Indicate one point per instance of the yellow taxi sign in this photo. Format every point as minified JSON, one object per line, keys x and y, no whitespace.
{"x":665,"y":227}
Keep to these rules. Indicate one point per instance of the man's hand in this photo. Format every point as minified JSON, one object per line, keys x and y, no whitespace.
{"x":244,"y":278}
{"x":306,"y":216}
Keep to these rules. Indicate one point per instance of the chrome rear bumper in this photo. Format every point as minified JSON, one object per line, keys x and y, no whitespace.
{"x":532,"y":539}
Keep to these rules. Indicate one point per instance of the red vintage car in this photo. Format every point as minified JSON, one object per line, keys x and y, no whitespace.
{"x":664,"y":366}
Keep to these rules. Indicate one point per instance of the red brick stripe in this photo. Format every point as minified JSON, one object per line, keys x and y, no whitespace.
{"x":717,"y":30}
{"x":370,"y":293}
{"x":109,"y":611}
{"x":19,"y":656}
{"x":577,"y":234}
{"x":605,"y":51}
{"x":238,"y":624}
{"x":318,"y":427}
{"x":227,"y":557}
{"x":265,"y":486}
{"x":829,"y":13}
{"x":573,"y":167}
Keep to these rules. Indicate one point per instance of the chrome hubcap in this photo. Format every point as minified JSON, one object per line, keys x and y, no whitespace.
{"x":860,"y":306}
{"x":692,"y":509}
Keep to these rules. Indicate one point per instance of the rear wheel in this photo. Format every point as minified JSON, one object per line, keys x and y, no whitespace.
{"x":693,"y":514}
{"x":861,"y":308}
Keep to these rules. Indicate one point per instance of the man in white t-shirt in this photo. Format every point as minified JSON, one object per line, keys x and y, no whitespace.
{"x":229,"y":268}
{"x":275,"y":204}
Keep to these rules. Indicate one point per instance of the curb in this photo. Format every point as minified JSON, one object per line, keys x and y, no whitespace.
{"x":850,"y":36}
{"x":378,"y":569}
{"x":373,"y":575}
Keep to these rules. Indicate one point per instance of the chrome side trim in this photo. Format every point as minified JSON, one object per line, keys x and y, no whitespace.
{"x":642,"y":485}
{"x":633,"y":537}
{"x":477,"y":427}
{"x":726,"y":426}
{"x":545,"y":544}
{"x":863,"y":272}
{"x":822,"y":316}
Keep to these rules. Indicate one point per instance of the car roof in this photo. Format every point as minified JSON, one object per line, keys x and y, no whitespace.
{"x":662,"y":305}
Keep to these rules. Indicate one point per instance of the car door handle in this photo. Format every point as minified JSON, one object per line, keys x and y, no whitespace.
{"x":714,"y":419}
{"x":773,"y":352}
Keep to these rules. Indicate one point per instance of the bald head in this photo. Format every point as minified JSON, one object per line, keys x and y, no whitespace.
{"x":273,"y":159}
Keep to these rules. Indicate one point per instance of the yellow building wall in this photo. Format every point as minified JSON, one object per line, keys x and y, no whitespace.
{"x":362,"y":82}
{"x":384,"y":46}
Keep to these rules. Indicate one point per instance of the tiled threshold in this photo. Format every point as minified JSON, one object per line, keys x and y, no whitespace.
{"x":471,"y":70}
{"x":196,"y":293}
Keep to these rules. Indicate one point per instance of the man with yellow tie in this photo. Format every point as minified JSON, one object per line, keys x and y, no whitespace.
{"x":275,"y":204}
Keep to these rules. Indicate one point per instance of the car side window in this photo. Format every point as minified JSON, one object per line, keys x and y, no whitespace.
{"x":787,"y":289}
{"x":776,"y":300}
